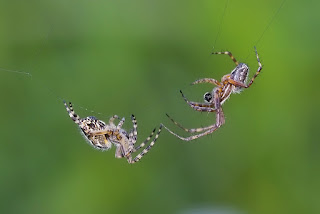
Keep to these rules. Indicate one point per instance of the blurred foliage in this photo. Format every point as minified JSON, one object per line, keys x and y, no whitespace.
{"x":122,"y":57}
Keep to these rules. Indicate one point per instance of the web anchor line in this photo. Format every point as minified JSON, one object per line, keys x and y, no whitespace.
{"x":54,"y":94}
{"x":17,"y":72}
{"x":220,"y":25}
{"x":267,"y":27}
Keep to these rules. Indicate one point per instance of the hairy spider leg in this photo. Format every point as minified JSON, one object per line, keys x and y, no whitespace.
{"x":145,"y":141}
{"x":258,"y":71}
{"x":133,"y":135}
{"x":120,"y":124}
{"x":71,"y":113}
{"x":204,"y":109}
{"x":207,"y":80}
{"x":207,"y":130}
{"x":185,"y":129}
{"x":230,"y":54}
{"x":243,"y":85}
{"x":207,"y":109}
{"x":146,"y":150}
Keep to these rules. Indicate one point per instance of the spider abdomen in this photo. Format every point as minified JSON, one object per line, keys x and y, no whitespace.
{"x":239,"y":74}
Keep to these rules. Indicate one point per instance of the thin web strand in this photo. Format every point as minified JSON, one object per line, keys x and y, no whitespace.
{"x":220,"y":25}
{"x":17,"y":72}
{"x":267,"y":27}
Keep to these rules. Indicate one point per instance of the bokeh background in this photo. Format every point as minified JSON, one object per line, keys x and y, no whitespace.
{"x":123,"y":57}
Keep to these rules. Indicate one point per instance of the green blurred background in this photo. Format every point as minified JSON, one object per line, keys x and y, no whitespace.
{"x":123,"y":57}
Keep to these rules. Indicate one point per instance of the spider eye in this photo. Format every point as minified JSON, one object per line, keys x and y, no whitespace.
{"x":207,"y":97}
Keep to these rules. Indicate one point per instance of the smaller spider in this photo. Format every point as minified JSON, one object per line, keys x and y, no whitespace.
{"x":101,"y":135}
{"x":230,"y":83}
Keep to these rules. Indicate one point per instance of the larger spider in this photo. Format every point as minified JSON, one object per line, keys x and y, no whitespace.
{"x":230,"y":83}
{"x":101,"y":135}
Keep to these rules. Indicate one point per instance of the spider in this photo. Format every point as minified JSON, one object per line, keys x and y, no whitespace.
{"x":230,"y":83}
{"x":101,"y":135}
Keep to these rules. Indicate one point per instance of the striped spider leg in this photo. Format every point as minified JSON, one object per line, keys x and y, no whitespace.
{"x":125,"y":143}
{"x":230,"y":83}
{"x":101,"y":135}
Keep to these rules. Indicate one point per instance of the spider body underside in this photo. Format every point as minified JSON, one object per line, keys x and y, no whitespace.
{"x":102,"y":136}
{"x":234,"y":82}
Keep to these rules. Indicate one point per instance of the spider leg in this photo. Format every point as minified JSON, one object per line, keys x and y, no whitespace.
{"x":199,"y":106}
{"x":185,"y":129}
{"x":207,"y":130}
{"x":258,"y":71}
{"x":230,"y":54}
{"x":119,"y":152}
{"x":240,"y":84}
{"x":193,"y":137}
{"x":207,"y":80}
{"x":145,"y":141}
{"x":120,"y":124}
{"x":111,"y":120}
{"x":146,"y":150}
{"x":236,"y":83}
{"x":133,"y":135}
{"x":71,"y":113}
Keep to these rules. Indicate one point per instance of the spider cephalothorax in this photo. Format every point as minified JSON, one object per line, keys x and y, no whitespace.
{"x":102,"y":136}
{"x":230,"y":83}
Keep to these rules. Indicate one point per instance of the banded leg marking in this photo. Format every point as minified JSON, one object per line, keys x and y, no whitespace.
{"x":207,"y":130}
{"x":230,"y":55}
{"x":193,"y":137}
{"x":145,"y":141}
{"x":120,"y":124}
{"x":71,"y":113}
{"x":146,"y":150}
{"x":193,"y":130}
{"x":134,"y":133}
{"x":258,"y":71}
{"x":207,"y":80}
